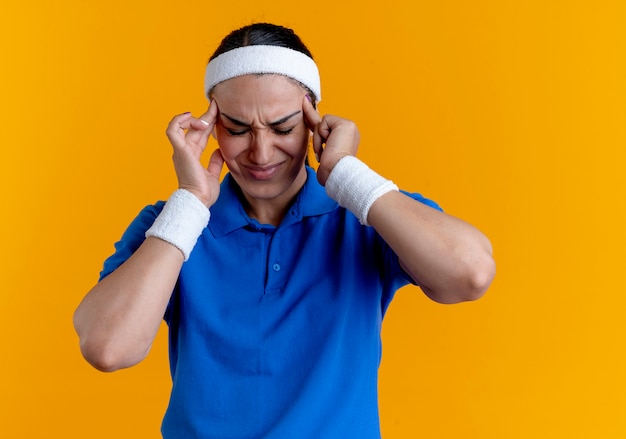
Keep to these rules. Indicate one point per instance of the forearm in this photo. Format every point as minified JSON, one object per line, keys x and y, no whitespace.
{"x":119,"y":318}
{"x":450,"y":259}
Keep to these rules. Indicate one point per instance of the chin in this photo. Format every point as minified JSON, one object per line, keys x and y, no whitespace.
{"x":264,"y":190}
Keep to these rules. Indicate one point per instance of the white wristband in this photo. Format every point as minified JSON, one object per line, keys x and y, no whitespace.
{"x":181,"y":221}
{"x":355,"y":186}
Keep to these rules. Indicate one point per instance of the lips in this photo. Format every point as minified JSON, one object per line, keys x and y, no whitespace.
{"x":263,"y":172}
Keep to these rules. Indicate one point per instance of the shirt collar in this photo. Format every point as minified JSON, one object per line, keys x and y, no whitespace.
{"x":228,"y":214}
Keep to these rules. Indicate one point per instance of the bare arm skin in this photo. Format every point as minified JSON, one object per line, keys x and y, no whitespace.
{"x":119,"y":317}
{"x":448,"y":258}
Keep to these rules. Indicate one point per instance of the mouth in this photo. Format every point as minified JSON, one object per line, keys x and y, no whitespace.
{"x":263,"y":172}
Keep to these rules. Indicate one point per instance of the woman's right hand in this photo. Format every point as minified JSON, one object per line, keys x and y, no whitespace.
{"x":189,"y":137}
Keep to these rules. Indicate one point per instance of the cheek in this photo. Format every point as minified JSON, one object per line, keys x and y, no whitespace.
{"x":299,"y":142}
{"x":295,"y":145}
{"x":230,"y":146}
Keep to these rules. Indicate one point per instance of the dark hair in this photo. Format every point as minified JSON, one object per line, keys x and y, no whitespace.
{"x":265,"y":34}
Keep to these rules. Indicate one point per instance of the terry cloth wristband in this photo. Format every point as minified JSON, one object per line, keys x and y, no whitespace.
{"x":181,"y":221}
{"x":355,"y":186}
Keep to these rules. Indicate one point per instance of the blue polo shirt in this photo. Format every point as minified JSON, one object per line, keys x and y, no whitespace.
{"x":275,"y":331}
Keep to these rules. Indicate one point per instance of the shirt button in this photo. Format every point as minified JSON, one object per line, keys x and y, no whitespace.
{"x":276,"y":267}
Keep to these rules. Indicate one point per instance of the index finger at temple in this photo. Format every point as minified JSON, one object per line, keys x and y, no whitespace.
{"x":311,"y":116}
{"x":210,"y":116}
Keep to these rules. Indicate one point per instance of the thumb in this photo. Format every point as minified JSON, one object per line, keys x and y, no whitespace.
{"x":216,"y":163}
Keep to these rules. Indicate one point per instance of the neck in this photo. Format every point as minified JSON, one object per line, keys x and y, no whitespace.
{"x":273,"y":210}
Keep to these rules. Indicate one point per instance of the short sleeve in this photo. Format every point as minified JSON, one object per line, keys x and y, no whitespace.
{"x":132,"y":238}
{"x":423,"y":200}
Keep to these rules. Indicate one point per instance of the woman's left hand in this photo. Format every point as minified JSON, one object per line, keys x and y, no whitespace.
{"x":333,"y":139}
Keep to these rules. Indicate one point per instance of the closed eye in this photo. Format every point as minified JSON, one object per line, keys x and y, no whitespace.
{"x":235,"y":132}
{"x":273,"y":125}
{"x":283,"y":132}
{"x":275,"y":130}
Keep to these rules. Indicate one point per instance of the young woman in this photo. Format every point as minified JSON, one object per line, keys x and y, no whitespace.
{"x":274,"y":282}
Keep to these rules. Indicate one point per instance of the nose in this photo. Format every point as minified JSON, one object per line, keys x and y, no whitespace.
{"x":261,"y":149}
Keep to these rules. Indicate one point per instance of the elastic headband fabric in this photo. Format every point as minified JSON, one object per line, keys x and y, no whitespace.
{"x":263,"y":59}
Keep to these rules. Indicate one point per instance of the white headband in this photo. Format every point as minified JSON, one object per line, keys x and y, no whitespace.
{"x":263,"y":59}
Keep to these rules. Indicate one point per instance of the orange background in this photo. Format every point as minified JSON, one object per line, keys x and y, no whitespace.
{"x":510,"y":114}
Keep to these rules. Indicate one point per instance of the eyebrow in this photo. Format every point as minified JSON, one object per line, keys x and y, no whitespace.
{"x":272,"y":124}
